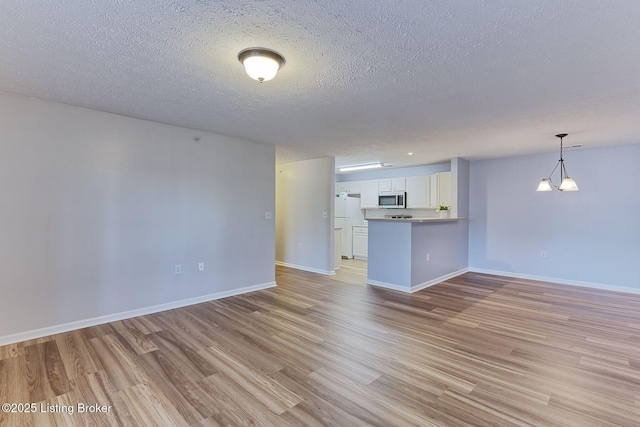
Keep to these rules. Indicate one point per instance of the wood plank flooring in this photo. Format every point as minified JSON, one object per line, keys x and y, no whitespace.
{"x":476,"y":350}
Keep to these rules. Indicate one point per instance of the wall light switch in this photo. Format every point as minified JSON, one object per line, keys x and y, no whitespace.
{"x":268,"y":215}
{"x":201,"y":266}
{"x":177,"y":269}
{"x":324,"y":215}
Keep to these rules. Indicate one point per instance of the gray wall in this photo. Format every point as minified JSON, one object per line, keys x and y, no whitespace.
{"x":460,"y":187}
{"x":304,"y":238}
{"x":398,"y":253}
{"x":592,"y":235}
{"x":96,"y":209}
{"x":389,"y":253}
{"x":446,"y":242}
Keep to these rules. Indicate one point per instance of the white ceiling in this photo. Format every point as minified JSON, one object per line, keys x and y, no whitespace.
{"x":366,"y":80}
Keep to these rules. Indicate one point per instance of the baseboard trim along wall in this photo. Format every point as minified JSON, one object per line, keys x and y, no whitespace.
{"x":305,"y":268}
{"x":388,"y":286}
{"x":424,"y":285}
{"x":592,"y":285}
{"x":79,"y":324}
{"x":418,"y":287}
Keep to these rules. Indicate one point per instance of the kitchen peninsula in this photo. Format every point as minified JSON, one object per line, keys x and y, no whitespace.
{"x":412,"y":254}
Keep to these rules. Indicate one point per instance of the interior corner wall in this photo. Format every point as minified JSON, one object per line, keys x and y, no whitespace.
{"x":304,"y":191}
{"x":590,"y":236}
{"x":96,"y":210}
{"x":460,"y":187}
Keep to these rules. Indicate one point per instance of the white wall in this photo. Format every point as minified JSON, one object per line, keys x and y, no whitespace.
{"x":304,"y":239}
{"x":590,"y":236}
{"x":96,"y":209}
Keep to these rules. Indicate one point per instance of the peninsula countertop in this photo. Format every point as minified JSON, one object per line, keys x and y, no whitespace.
{"x":418,"y":219}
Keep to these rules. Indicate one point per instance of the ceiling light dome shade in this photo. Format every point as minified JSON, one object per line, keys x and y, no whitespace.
{"x":568,"y":184}
{"x":545,"y":185}
{"x":261,"y":64}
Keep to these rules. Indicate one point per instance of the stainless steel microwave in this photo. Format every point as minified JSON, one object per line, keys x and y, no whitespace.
{"x":392,"y":200}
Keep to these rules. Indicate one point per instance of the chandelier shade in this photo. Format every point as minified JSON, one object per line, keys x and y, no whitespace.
{"x":566,"y":182}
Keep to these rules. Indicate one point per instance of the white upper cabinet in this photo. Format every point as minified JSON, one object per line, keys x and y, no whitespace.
{"x":440,"y":189}
{"x":369,"y":194}
{"x":391,"y":185}
{"x":398,"y":184}
{"x":417,"y":192}
{"x":352,"y":187}
{"x":423,"y":192}
{"x":384,"y":185}
{"x":355,"y":187}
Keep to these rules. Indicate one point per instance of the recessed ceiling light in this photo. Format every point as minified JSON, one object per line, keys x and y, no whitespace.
{"x":409,"y":154}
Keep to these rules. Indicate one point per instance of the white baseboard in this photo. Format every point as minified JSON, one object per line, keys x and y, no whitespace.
{"x":418,"y":287}
{"x":79,"y":324}
{"x":592,"y":285}
{"x":305,"y":268}
{"x":440,"y":279}
{"x":386,"y":285}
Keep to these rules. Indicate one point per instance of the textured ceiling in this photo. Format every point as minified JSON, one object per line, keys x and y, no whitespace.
{"x":364,"y":81}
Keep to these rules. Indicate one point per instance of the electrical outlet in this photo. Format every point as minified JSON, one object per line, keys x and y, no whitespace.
{"x":325,"y":215}
{"x":201,"y":266}
{"x":299,"y":245}
{"x":177,"y":269}
{"x":428,"y":257}
{"x":268,"y":215}
{"x":543,"y":254}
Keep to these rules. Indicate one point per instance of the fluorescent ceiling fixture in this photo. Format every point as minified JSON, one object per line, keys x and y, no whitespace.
{"x":361,"y":167}
{"x":567,"y":183}
{"x":261,"y":64}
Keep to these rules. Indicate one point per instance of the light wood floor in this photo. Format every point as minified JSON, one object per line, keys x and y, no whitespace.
{"x":476,"y":350}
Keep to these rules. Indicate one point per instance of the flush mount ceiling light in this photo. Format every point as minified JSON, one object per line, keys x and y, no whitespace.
{"x":567,"y":184}
{"x":261,"y":64}
{"x":361,"y":167}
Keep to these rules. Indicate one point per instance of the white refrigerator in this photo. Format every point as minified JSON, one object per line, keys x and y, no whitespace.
{"x":347,"y":214}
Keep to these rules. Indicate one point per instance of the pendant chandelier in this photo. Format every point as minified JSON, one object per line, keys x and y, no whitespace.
{"x":567,"y":183}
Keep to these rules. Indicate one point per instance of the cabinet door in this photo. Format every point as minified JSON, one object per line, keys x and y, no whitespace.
{"x":433,"y":191}
{"x":418,"y":192}
{"x":398,"y":184}
{"x":440,"y":190}
{"x":355,"y":187}
{"x":385,"y":185}
{"x":369,"y":195}
{"x":444,"y":188}
{"x":360,"y":245}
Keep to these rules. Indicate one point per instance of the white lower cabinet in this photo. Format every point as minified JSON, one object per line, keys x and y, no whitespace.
{"x":360,"y":242}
